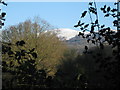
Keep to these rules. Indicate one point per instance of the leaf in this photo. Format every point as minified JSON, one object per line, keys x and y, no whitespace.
{"x":3,"y":14}
{"x":108,"y":28}
{"x":102,"y":9}
{"x":102,"y":26}
{"x":17,"y":43}
{"x":32,"y":50}
{"x":107,"y":15}
{"x":96,"y":22}
{"x":34,"y":55}
{"x":114,"y":15}
{"x":21,"y":43}
{"x":4,"y":3}
{"x":113,"y":10}
{"x":92,"y":29}
{"x":93,"y":41}
{"x":86,"y":48}
{"x":83,"y":36}
{"x":88,"y":40}
{"x":104,"y":6}
{"x":90,"y":3}
{"x":82,"y":24}
{"x":95,"y":12}
{"x":108,"y":9}
{"x":81,"y":28}
{"x":84,"y":30}
{"x":79,"y":22}
{"x":86,"y":25}
{"x":115,"y":22}
{"x":76,"y":25}
{"x":115,"y":3}
{"x":80,"y":34}
{"x":23,"y":52}
{"x":83,"y":14}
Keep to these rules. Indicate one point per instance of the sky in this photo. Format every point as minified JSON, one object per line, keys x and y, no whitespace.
{"x":58,"y":14}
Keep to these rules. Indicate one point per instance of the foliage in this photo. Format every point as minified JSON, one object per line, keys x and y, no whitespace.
{"x":2,"y":19}
{"x":35,"y":35}
{"x":101,"y":35}
{"x":70,"y":73}
{"x":2,"y":15}
{"x":26,"y":73}
{"x":93,"y":69}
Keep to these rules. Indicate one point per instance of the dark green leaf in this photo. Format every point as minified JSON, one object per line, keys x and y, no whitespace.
{"x":34,"y":55}
{"x":107,"y":15}
{"x":17,"y":43}
{"x":90,"y":3}
{"x":83,"y":14}
{"x":3,"y":14}
{"x":4,"y":3}
{"x":108,"y":9}
{"x":82,"y":24}
{"x":102,"y":9}
{"x":81,"y":28}
{"x":93,"y":41}
{"x":104,"y":6}
{"x":32,"y":50}
{"x":86,"y":25}
{"x":88,"y":40}
{"x":76,"y":25}
{"x":96,"y":22}
{"x":115,"y":3}
{"x":21,"y":43}
{"x":113,"y":10}
{"x":79,"y":22}
{"x":80,"y":34}
{"x":86,"y":48}
{"x":102,"y":26}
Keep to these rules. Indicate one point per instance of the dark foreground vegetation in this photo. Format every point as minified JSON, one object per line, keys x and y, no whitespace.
{"x":74,"y":71}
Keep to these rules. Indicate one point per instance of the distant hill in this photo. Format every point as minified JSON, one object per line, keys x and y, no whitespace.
{"x":72,"y":39}
{"x":65,"y":34}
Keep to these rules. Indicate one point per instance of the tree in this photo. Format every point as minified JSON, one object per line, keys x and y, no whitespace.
{"x":25,"y":74}
{"x":101,"y":36}
{"x":2,"y":19}
{"x":48,"y":46}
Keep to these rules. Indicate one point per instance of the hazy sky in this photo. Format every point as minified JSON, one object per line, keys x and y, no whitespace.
{"x":58,"y":14}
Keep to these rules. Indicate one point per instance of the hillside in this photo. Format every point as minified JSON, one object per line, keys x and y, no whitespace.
{"x":72,"y":39}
